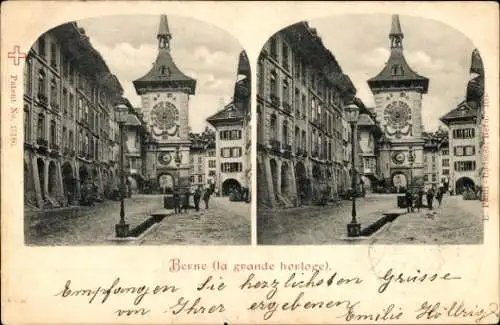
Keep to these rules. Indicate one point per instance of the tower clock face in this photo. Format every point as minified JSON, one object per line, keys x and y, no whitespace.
{"x":165,"y":119}
{"x":165,"y":158}
{"x":397,"y":115}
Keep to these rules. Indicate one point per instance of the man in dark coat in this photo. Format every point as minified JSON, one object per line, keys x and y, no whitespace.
{"x":430,"y":197}
{"x":196,"y":197}
{"x":439,"y":196}
{"x":409,"y":201}
{"x":206,"y":197}
{"x":177,"y":201}
{"x":420,"y":198}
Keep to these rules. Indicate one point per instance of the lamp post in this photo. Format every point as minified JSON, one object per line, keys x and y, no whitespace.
{"x":352,"y":112}
{"x":411,"y":159}
{"x":178,"y":159}
{"x":121,"y":228}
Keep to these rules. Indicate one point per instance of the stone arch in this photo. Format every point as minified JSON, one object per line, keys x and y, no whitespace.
{"x":41,"y":176}
{"x":317,"y":172}
{"x":274,"y":175}
{"x":301,"y":180}
{"x":83,"y":174}
{"x":166,"y":182}
{"x":230,"y":185}
{"x":29,"y":186}
{"x":69,"y":181}
{"x":285,"y":179}
{"x":52,"y":180}
{"x":399,"y":181}
{"x":463,"y":183}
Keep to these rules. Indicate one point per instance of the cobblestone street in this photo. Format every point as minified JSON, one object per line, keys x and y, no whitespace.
{"x":456,"y":222}
{"x":224,"y":223}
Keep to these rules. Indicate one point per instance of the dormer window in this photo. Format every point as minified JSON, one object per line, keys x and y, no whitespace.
{"x":164,"y":70}
{"x":397,"y":70}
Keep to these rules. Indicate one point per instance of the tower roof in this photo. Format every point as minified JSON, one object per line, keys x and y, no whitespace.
{"x":164,"y":73}
{"x":163,"y":29}
{"x":397,"y":72}
{"x":396,"y":26}
{"x":476,"y":65}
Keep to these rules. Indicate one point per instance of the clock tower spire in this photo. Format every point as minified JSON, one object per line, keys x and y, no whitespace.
{"x":398,"y":92}
{"x":165,"y":92}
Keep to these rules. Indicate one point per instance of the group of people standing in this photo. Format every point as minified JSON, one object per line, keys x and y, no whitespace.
{"x":181,"y":200}
{"x":415,"y":201}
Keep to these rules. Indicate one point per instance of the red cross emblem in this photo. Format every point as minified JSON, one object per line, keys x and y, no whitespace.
{"x":16,"y":55}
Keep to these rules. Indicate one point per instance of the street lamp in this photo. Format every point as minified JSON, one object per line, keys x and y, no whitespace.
{"x":352,"y":112}
{"x":121,"y":228}
{"x":178,"y":159}
{"x":411,"y":159}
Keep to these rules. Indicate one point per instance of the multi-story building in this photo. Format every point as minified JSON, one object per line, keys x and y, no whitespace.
{"x":70,"y":131}
{"x":431,"y":160}
{"x":369,"y":134}
{"x":202,"y":150}
{"x":211,"y":166}
{"x":231,"y":142}
{"x":398,"y":92}
{"x":165,"y":92}
{"x":465,"y":133}
{"x":302,"y":133}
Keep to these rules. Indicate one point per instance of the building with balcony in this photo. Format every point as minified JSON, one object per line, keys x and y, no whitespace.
{"x":302,"y":136}
{"x":369,"y":134}
{"x":70,"y":132}
{"x":465,"y":133}
{"x":232,"y":142}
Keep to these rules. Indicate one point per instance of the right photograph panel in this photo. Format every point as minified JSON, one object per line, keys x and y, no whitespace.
{"x":370,"y":132}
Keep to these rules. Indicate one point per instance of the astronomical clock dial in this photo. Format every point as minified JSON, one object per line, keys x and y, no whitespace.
{"x":397,"y":116}
{"x":165,"y":158}
{"x":165,"y":119}
{"x":398,"y":158}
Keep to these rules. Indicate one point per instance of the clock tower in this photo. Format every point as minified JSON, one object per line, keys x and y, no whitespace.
{"x":165,"y":92}
{"x":398,"y":92}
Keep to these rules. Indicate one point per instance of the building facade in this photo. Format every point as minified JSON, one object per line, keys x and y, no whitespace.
{"x":302,"y":136}
{"x":165,"y":93}
{"x":465,"y":133}
{"x":70,"y":131}
{"x":203,"y":160}
{"x":398,"y":92}
{"x":369,"y":134}
{"x":232,"y":143}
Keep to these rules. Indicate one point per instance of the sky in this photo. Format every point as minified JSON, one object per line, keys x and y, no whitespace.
{"x":360,"y":43}
{"x":202,"y":51}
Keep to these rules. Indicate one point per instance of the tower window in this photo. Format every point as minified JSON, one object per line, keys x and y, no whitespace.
{"x":164,"y":70}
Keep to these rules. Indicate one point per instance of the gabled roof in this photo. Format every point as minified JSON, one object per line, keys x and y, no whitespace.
{"x":464,"y":111}
{"x":230,"y":113}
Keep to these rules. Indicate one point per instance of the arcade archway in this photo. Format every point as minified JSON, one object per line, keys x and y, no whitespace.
{"x":52,"y":185}
{"x":166,"y":182}
{"x":285,"y":179}
{"x":462,"y":184}
{"x":301,"y":180}
{"x":230,"y":185}
{"x":41,"y":176}
{"x":274,"y":175}
{"x":399,"y":181}
{"x":68,"y":181}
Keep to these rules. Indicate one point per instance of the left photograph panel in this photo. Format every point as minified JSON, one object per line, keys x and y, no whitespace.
{"x":137,"y":132}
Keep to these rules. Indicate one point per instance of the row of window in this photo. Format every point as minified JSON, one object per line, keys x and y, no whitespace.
{"x":211,"y":163}
{"x":232,"y":152}
{"x":316,"y":79}
{"x":465,"y":166}
{"x":231,"y":167}
{"x":230,"y":135}
{"x":467,"y":133}
{"x":464,"y":150}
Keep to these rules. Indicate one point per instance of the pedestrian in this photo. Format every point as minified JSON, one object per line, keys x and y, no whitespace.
{"x":409,"y":200}
{"x":430,"y":197}
{"x":420,"y":199}
{"x":197,"y":196}
{"x":177,"y":201}
{"x":185,"y":205}
{"x":206,"y":198}
{"x":439,"y":196}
